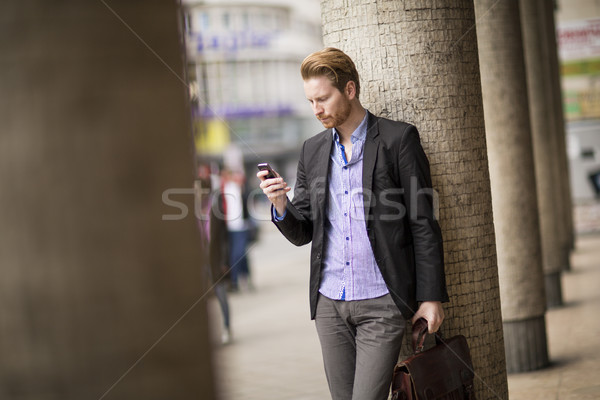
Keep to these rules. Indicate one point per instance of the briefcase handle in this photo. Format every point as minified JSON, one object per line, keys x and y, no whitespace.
{"x":419,"y":332}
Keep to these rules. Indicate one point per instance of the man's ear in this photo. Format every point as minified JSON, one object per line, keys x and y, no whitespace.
{"x":350,"y":90}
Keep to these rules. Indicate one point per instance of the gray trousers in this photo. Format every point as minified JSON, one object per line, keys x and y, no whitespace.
{"x":360,"y":341}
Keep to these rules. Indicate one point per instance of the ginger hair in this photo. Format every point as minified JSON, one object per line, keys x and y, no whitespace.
{"x":334,"y":64}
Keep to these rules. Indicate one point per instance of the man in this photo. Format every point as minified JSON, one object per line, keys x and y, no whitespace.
{"x":363,"y":197}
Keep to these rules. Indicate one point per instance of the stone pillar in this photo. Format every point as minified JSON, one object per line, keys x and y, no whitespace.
{"x":543,"y":123}
{"x":512,"y":175}
{"x":419,"y":64}
{"x":550,"y":49}
{"x":99,"y":293}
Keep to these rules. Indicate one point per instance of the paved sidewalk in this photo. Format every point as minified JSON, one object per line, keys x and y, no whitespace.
{"x":275,"y":352}
{"x":573,"y":335}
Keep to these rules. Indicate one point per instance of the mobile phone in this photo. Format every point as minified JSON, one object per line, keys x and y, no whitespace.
{"x":267,"y":167}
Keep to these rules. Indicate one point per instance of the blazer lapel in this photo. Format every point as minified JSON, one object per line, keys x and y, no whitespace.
{"x":321,"y":169}
{"x":369,"y":159}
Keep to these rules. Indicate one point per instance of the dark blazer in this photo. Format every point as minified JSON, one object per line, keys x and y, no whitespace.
{"x":399,"y":212}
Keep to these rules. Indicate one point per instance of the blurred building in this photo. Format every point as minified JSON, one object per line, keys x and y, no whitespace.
{"x":244,"y":58}
{"x":578,"y":37}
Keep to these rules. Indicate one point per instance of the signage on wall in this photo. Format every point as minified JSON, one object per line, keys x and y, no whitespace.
{"x":232,"y":41}
{"x":579,"y":39}
{"x":579,"y":50}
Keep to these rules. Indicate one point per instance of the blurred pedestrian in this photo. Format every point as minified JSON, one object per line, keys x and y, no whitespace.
{"x":214,"y":243}
{"x":235,"y":210}
{"x":363,"y":197}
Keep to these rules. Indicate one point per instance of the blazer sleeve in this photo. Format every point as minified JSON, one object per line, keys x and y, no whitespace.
{"x":297,"y":226}
{"x":421,"y":205}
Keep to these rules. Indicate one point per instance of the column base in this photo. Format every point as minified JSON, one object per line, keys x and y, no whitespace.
{"x":553,"y":290}
{"x":525,"y":345}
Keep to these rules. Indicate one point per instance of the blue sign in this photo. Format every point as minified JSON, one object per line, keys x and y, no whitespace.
{"x":233,"y":41}
{"x":238,"y":112}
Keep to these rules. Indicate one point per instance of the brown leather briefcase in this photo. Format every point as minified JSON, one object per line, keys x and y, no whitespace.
{"x":444,"y":372}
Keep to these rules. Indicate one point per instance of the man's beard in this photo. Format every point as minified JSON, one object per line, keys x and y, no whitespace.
{"x":337,"y":118}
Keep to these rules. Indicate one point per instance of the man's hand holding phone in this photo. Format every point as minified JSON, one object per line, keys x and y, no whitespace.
{"x":274,"y":187}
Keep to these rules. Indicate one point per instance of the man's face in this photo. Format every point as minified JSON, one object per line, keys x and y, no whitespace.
{"x":329,"y":105}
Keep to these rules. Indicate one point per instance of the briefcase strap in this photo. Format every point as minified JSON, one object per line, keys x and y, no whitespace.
{"x":419,"y":332}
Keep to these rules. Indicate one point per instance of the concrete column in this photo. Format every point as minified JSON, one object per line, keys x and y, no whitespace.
{"x":550,"y":48}
{"x":563,"y":189}
{"x":99,"y":294}
{"x":512,"y":175}
{"x":543,"y":122}
{"x":419,"y":64}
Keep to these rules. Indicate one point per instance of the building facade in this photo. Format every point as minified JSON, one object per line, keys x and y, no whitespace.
{"x":246,"y":90}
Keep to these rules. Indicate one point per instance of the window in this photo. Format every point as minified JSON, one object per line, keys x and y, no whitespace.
{"x":203,"y":21}
{"x":187,"y":22}
{"x":226,"y":20}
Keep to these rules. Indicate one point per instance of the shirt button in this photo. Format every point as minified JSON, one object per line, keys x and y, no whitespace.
{"x":347,"y":238}
{"x":345,"y":167}
{"x":345,"y":214}
{"x":346,"y":191}
{"x":347,"y":263}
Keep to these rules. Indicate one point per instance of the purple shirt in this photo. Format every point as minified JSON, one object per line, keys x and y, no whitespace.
{"x":350,"y":271}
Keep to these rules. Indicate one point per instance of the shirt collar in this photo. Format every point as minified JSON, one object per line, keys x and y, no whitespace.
{"x":360,"y":133}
